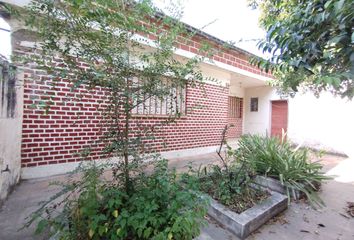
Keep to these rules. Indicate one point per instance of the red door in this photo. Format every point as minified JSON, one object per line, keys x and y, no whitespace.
{"x":279,"y":117}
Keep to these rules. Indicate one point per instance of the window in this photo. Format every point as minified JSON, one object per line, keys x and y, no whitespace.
{"x":235,"y":107}
{"x":173,"y":102}
{"x":254,"y":104}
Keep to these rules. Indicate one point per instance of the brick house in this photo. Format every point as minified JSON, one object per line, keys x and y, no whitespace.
{"x":49,"y":142}
{"x":45,"y":144}
{"x":33,"y":144}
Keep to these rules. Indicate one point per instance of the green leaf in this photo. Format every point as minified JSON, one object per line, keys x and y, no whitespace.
{"x":41,"y":226}
{"x":352,"y":57}
{"x":338,"y":6}
{"x":102,"y":230}
{"x":328,"y":3}
{"x":147,"y":232}
{"x":91,"y":233}
{"x":115,"y":213}
{"x":336,"y":39}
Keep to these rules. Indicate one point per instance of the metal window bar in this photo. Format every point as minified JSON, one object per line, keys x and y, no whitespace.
{"x":235,"y":107}
{"x":172,"y":103}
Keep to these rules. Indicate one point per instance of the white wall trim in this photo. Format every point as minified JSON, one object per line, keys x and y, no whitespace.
{"x":222,"y":65}
{"x":63,"y":168}
{"x":47,"y":170}
{"x":148,"y":42}
{"x":184,"y":53}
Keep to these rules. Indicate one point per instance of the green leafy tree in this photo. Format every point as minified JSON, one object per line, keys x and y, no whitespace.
{"x":105,"y":46}
{"x":126,"y":50}
{"x":310,"y":43}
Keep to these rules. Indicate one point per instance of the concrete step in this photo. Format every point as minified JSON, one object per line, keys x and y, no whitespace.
{"x":213,"y":231}
{"x":204,"y":236}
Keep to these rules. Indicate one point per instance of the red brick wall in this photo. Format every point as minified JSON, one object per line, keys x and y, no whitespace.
{"x":70,"y":126}
{"x":201,"y":126}
{"x":236,"y":130}
{"x":56,"y":137}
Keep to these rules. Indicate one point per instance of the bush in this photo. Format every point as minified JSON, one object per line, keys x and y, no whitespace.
{"x":276,"y":158}
{"x":92,"y":208}
{"x":228,"y":182}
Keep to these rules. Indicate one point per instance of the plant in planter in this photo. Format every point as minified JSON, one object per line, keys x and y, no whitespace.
{"x":236,"y":202}
{"x":230,"y":181}
{"x":230,"y":186}
{"x":275,"y":158}
{"x":125,"y":50}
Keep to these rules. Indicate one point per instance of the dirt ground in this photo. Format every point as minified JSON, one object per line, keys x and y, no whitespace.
{"x":300,"y":221}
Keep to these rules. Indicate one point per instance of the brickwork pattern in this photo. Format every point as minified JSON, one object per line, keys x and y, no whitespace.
{"x":236,"y":130}
{"x":56,"y":136}
{"x":70,"y":125}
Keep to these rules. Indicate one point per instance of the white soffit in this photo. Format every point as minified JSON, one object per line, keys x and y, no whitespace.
{"x":187,"y":54}
{"x":146,"y":41}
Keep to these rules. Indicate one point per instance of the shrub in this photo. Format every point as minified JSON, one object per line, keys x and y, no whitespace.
{"x":229,"y":186}
{"x":93,"y":208}
{"x":228,"y":182}
{"x":110,"y":38}
{"x":276,"y":158}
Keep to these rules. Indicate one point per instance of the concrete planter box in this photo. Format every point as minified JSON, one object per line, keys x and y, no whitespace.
{"x":275,"y":185}
{"x":245,"y":223}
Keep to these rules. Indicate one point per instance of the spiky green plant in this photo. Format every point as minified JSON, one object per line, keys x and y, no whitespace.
{"x":276,"y":158}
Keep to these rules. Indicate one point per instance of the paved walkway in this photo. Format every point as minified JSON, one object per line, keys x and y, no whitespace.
{"x":298,"y":222}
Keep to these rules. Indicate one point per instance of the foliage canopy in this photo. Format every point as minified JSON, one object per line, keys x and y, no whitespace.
{"x":310,"y":42}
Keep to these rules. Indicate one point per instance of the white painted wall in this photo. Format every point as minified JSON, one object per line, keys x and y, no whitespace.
{"x":217,"y":76}
{"x":237,"y":90}
{"x":10,"y":140}
{"x":258,"y":122}
{"x":326,"y":122}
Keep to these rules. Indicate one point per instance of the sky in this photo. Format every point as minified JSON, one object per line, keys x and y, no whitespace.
{"x":229,"y":20}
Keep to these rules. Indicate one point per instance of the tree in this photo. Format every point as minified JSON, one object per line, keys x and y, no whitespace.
{"x":310,"y":42}
{"x":125,"y":49}
{"x":111,"y":39}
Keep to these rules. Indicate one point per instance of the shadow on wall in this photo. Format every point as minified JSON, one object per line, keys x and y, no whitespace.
{"x":8,"y":89}
{"x":11,"y":102}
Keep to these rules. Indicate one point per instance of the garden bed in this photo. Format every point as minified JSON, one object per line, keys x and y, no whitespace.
{"x":245,"y":199}
{"x":244,"y":223}
{"x":275,"y":185}
{"x":291,"y":171}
